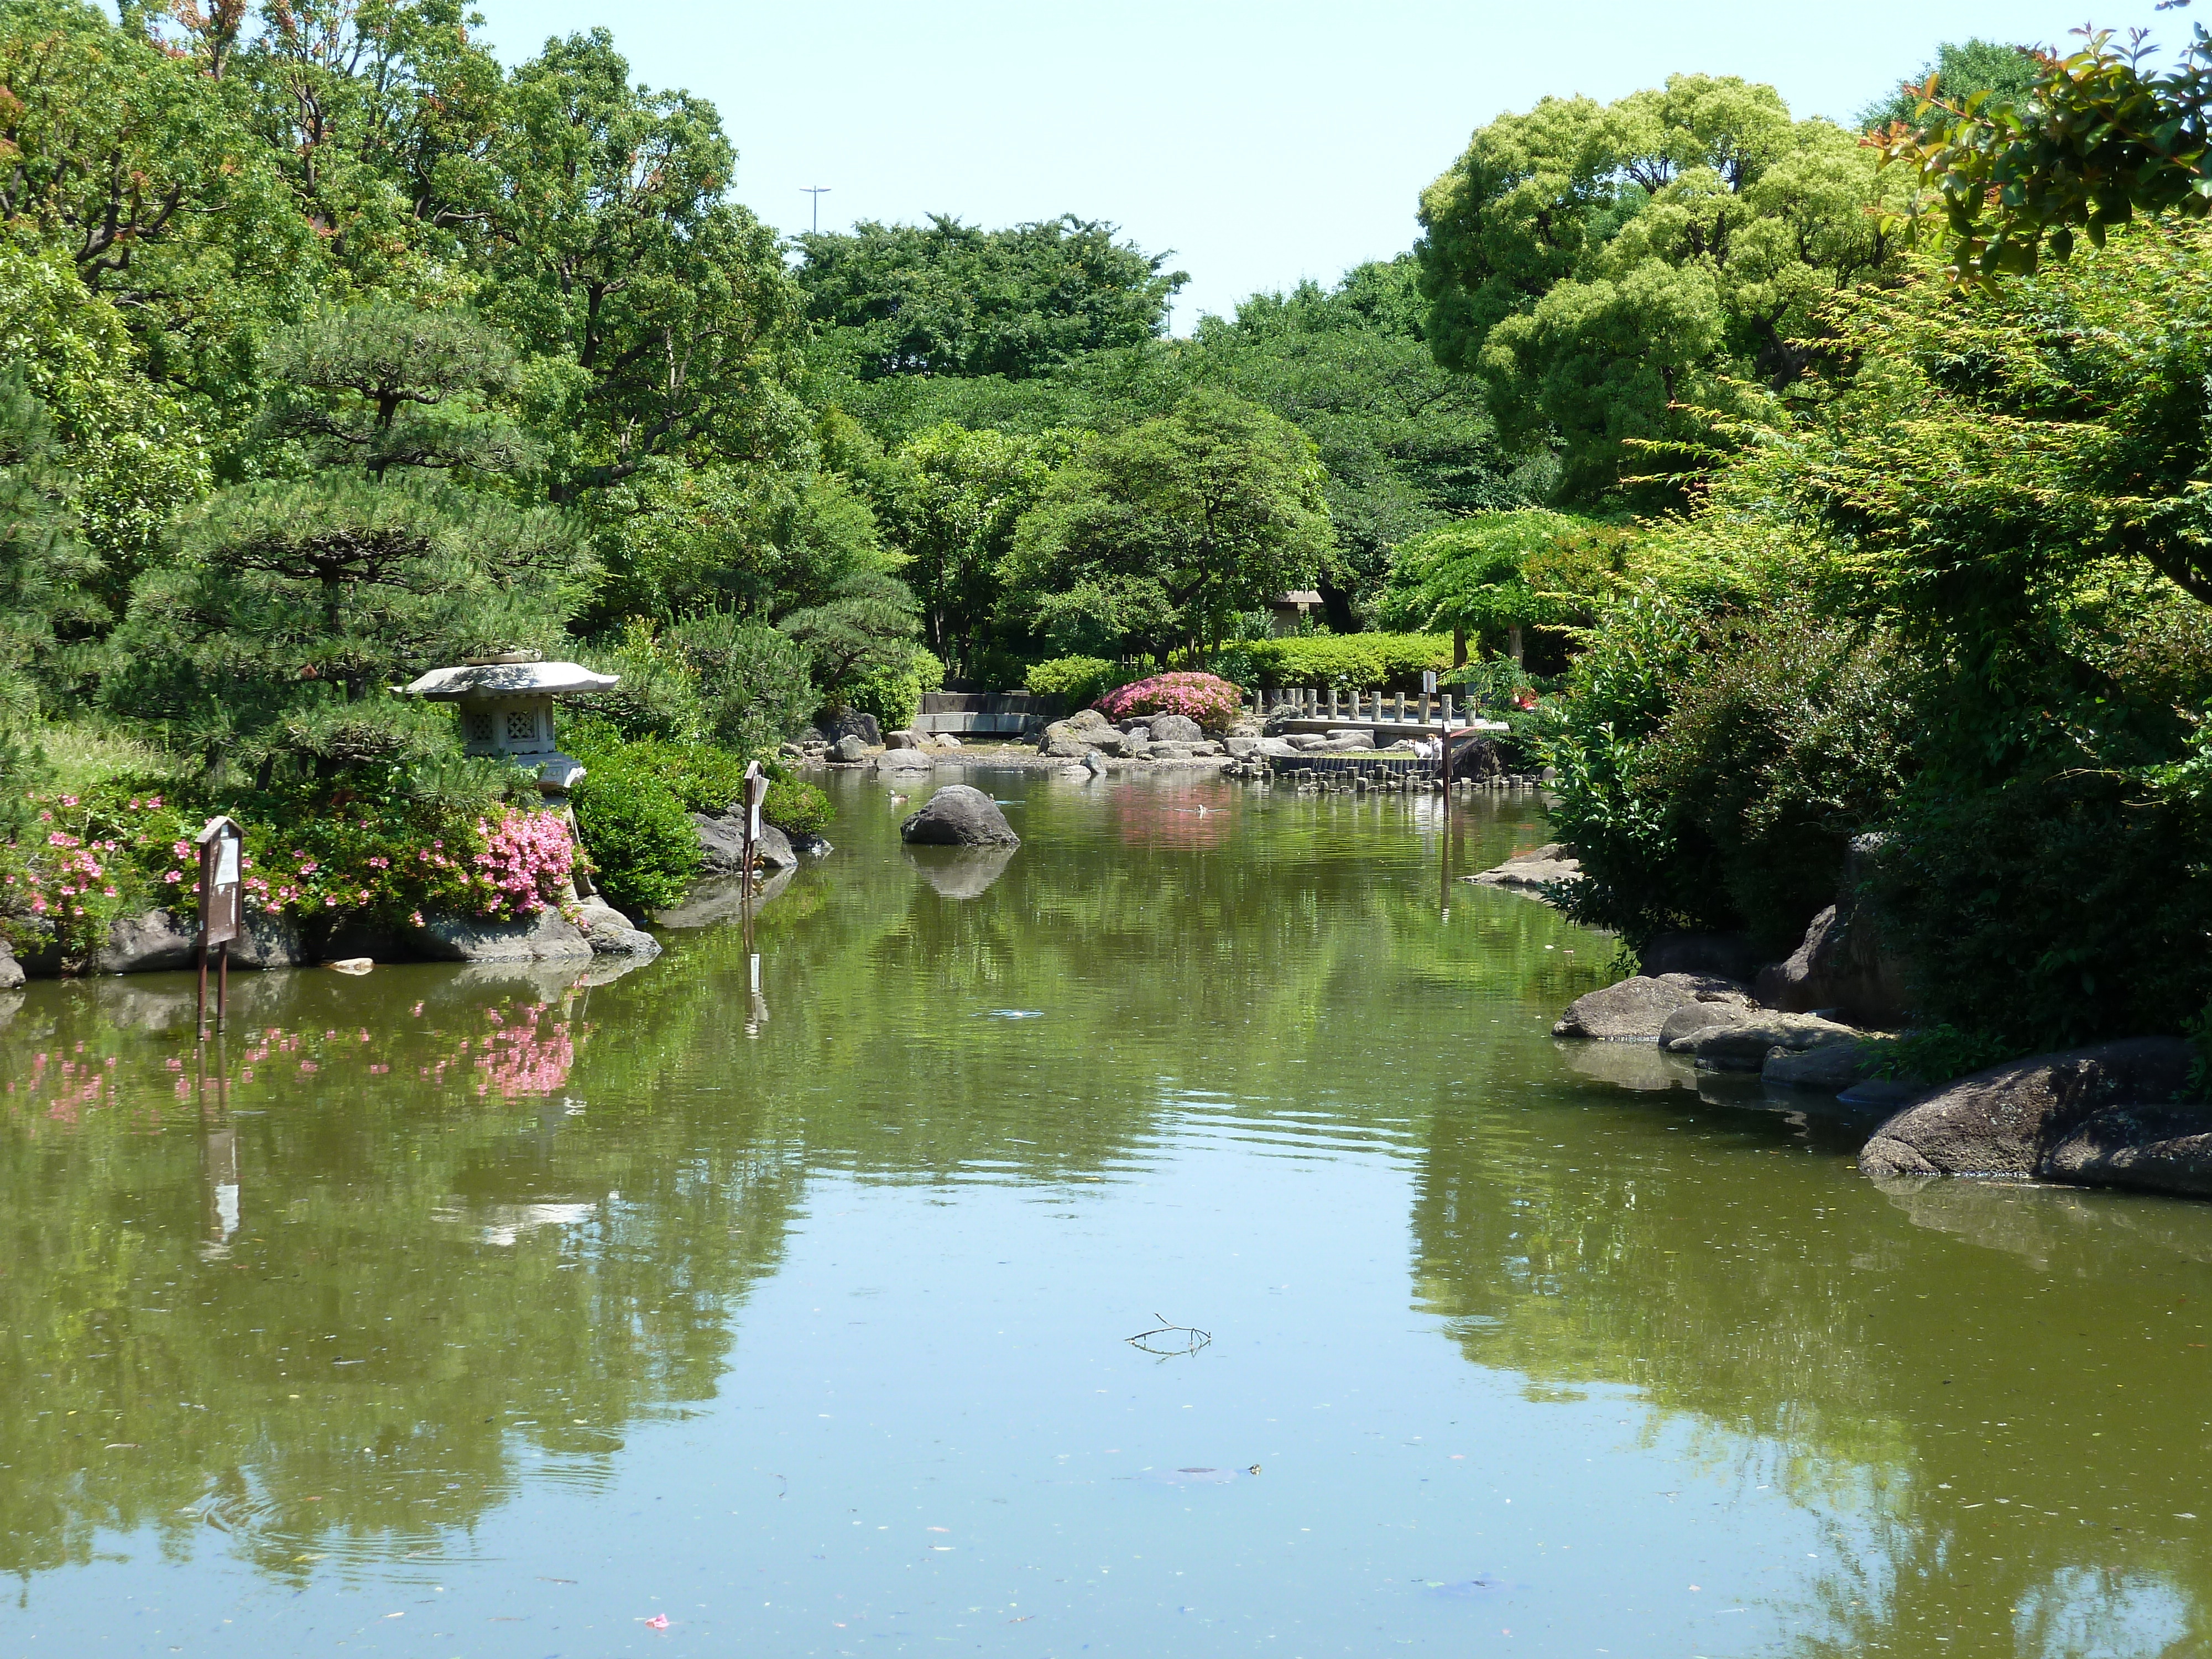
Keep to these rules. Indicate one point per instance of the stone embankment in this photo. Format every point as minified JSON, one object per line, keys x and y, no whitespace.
{"x":2130,"y":1114}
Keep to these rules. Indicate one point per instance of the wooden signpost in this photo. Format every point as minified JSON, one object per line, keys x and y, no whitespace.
{"x":222,"y":850}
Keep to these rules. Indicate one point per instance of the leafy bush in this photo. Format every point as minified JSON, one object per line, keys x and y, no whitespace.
{"x":1366,"y":662}
{"x":894,"y":695}
{"x":1079,"y":679}
{"x":796,"y":807}
{"x":753,"y":686}
{"x":1714,"y":768}
{"x":2058,"y":907}
{"x":1211,"y":700}
{"x":642,"y":847}
{"x":1940,"y":1053}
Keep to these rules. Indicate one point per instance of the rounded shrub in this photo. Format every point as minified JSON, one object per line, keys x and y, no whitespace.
{"x":1208,"y":699}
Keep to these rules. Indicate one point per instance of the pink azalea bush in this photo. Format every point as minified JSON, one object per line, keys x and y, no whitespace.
{"x":1211,"y":700}
{"x":82,"y":862}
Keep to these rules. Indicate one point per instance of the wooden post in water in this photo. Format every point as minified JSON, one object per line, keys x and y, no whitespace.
{"x":221,"y":844}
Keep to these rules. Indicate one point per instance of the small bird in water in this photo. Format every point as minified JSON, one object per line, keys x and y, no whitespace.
{"x":898,"y":800}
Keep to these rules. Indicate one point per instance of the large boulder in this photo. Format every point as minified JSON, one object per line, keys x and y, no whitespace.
{"x":11,"y":971}
{"x":1175,"y":728}
{"x":1830,"y":1067}
{"x":1533,"y":871}
{"x":1635,"y":1009}
{"x":1305,"y":743}
{"x":1745,"y":1047}
{"x":851,"y":749}
{"x":722,"y":841}
{"x":905,"y":760}
{"x":2160,"y":1149}
{"x":2011,"y":1118}
{"x":1680,"y":1031}
{"x":611,"y":933}
{"x":148,"y":942}
{"x":851,"y":723}
{"x":1840,"y":965}
{"x":1242,"y":747}
{"x":548,"y":936}
{"x":1350,"y":736}
{"x":959,"y":815}
{"x":903,"y":739}
{"x":267,"y":941}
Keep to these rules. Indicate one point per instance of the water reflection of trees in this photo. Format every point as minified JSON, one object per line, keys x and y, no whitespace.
{"x":421,"y":1227}
{"x":1874,"y":1349}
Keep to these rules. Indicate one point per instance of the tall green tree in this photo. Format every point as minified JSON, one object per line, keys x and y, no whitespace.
{"x":1614,"y":274}
{"x":1159,"y":536}
{"x":1493,"y":577}
{"x":1959,"y":70}
{"x":294,"y":603}
{"x":952,"y":510}
{"x":658,"y":313}
{"x":946,"y":298}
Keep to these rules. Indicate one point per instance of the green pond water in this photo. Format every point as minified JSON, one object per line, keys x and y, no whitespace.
{"x":462,"y":1312}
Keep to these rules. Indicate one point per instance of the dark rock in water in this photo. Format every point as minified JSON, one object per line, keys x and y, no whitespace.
{"x":1726,"y":956}
{"x":1635,"y":1009}
{"x":1532,"y":872}
{"x":1880,"y":1093}
{"x":1680,"y":1031}
{"x":1830,"y":1067}
{"x":548,"y":936}
{"x":1744,"y":1045}
{"x":2010,"y":1119}
{"x":959,"y":872}
{"x":2160,"y":1149}
{"x":611,"y":933}
{"x":722,"y":840}
{"x":1477,"y":760}
{"x":959,"y":815}
{"x":811,"y":847}
{"x":851,"y":723}
{"x":1094,"y":763}
{"x":268,"y":941}
{"x":147,"y":943}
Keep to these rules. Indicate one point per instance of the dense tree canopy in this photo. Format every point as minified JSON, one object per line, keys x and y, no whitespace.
{"x":1159,"y":536}
{"x":1613,"y":273}
{"x":946,"y":298}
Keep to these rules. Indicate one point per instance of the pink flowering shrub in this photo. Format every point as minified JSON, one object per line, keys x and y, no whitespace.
{"x":527,"y":857}
{"x":329,"y":857}
{"x":1211,"y":700}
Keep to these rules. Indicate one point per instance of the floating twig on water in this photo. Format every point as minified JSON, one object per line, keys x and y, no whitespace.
{"x":1166,"y":1338}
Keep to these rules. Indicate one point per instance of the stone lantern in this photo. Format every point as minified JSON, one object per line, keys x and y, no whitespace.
{"x":506,"y":709}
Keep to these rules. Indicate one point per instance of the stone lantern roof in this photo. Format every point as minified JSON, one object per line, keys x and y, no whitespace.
{"x":506,"y":709}
{"x":470,"y":682}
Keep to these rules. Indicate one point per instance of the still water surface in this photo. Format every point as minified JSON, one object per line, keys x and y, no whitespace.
{"x":459,"y":1312}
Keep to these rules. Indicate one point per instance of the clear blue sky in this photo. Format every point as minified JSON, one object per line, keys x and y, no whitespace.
{"x":1261,"y":142}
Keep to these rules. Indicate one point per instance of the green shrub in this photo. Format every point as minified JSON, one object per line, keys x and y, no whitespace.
{"x":643,"y":848}
{"x":753,"y":685}
{"x":2064,"y":906}
{"x":894,"y":695}
{"x":796,"y":807}
{"x":1940,"y":1053}
{"x":1080,"y":680}
{"x":1714,"y":769}
{"x":1366,"y":662}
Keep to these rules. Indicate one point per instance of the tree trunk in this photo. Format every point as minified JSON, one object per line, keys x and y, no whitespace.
{"x":1459,"y":648}
{"x":1513,"y":642}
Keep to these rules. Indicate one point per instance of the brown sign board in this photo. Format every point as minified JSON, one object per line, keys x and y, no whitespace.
{"x":222,"y":859}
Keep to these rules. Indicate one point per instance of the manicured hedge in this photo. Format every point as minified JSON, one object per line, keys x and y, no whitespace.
{"x":1368,"y":662}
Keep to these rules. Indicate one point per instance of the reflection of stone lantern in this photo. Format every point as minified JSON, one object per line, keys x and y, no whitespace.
{"x":506,"y":709}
